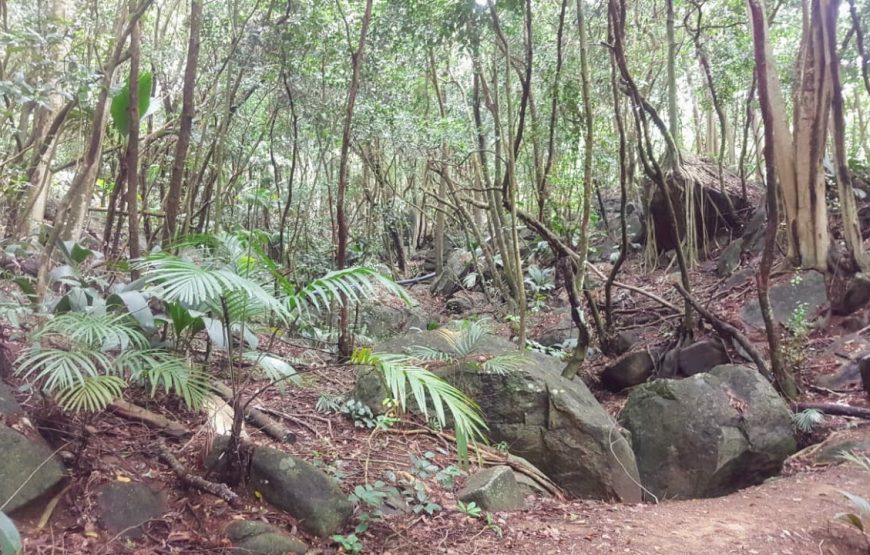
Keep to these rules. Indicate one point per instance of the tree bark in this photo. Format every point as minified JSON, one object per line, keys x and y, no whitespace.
{"x":172,"y":202}
{"x":133,"y":152}
{"x":345,"y":341}
{"x":784,"y":377}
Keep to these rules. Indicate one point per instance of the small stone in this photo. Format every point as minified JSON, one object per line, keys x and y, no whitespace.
{"x":494,"y":489}
{"x":251,"y":537}
{"x":126,"y":507}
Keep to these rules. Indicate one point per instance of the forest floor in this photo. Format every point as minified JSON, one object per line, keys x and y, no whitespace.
{"x":790,"y":514}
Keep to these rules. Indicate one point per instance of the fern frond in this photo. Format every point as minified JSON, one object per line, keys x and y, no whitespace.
{"x":93,"y":394}
{"x":470,"y":334}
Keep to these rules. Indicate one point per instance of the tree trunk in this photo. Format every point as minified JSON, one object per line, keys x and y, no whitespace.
{"x":173,"y":198}
{"x":133,"y":151}
{"x":345,"y":341}
{"x":785,"y":379}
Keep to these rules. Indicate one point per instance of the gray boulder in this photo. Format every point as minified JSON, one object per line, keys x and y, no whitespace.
{"x":557,"y":334}
{"x":449,"y":281}
{"x":252,"y":537}
{"x":126,"y":507}
{"x":729,"y":258}
{"x":807,"y":289}
{"x":29,"y":462}
{"x":699,"y":357}
{"x":555,"y":424}
{"x":494,"y":489}
{"x":302,"y":490}
{"x":708,"y":435}
{"x":8,"y":405}
{"x":632,"y":369}
{"x":382,"y":321}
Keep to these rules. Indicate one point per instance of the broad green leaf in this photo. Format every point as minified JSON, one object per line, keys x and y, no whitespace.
{"x":10,"y":540}
{"x":121,"y":103}
{"x":137,"y":306}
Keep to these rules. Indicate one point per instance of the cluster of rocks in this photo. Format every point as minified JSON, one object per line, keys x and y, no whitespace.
{"x":720,"y":429}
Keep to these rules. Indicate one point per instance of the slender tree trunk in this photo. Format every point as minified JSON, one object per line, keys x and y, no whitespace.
{"x":133,"y":151}
{"x":673,"y":111}
{"x":345,"y":341}
{"x":848,"y":208}
{"x":785,"y":379}
{"x":173,"y":201}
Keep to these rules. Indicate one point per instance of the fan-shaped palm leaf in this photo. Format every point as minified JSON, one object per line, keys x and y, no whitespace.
{"x":350,"y":284}
{"x":93,"y":394}
{"x":57,"y":369}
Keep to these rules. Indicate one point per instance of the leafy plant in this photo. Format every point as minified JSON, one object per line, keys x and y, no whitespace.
{"x":447,"y":476}
{"x":349,"y":544}
{"x":469,"y":509}
{"x":807,"y":420}
{"x":402,"y":373}
{"x":360,"y":413}
{"x":463,"y":343}
{"x":861,"y":515}
{"x":423,"y":467}
{"x":121,"y":103}
{"x":84,"y":359}
{"x":10,"y":540}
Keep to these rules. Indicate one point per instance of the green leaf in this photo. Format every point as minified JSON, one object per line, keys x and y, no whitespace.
{"x":10,"y":540}
{"x":137,"y":305}
{"x":121,"y":103}
{"x":851,"y":518}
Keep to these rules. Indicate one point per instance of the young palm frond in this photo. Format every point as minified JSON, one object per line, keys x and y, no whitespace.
{"x":99,"y":331}
{"x":401,"y":374}
{"x":428,"y":354}
{"x":353,"y":284}
{"x":58,"y":369}
{"x":504,"y":364}
{"x":93,"y":394}
{"x":158,"y":369}
{"x":196,"y":284}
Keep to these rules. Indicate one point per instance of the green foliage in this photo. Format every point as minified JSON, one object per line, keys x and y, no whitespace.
{"x":359,"y":412}
{"x":860,"y":517}
{"x":83,"y":359}
{"x":10,"y":540}
{"x":349,"y":544}
{"x":469,"y":509}
{"x":121,"y":103}
{"x":807,"y":420}
{"x":402,"y":373}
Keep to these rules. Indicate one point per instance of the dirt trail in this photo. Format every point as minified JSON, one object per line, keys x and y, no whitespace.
{"x":791,"y":515}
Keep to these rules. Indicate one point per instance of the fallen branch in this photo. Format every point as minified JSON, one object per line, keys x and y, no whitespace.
{"x":295,"y":420}
{"x":637,"y":290}
{"x":222,"y":491}
{"x":418,"y":279}
{"x":726,"y":330}
{"x":834,"y":409}
{"x":135,"y":412}
{"x":263,"y":421}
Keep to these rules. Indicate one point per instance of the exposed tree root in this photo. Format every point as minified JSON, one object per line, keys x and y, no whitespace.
{"x":191,"y":480}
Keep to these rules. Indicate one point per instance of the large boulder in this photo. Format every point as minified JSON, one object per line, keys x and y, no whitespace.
{"x":127,"y":507}
{"x":708,"y":435}
{"x":383,"y":321}
{"x":804,"y":291}
{"x":449,"y":281}
{"x":698,"y":357}
{"x":554,"y":423}
{"x":28,"y":467}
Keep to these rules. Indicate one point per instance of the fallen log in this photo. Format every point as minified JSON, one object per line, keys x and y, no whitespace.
{"x":135,"y":412}
{"x":263,"y":421}
{"x":222,"y":491}
{"x":834,"y":409}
